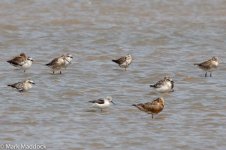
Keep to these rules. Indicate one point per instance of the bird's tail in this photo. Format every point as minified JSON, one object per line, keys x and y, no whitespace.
{"x":152,"y":85}
{"x":116,"y":61}
{"x":11,"y":62}
{"x":11,"y":85}
{"x":196,"y":64}
{"x":47,"y":64}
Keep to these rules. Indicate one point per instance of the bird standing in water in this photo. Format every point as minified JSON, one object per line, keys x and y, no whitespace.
{"x":154,"y":107}
{"x":124,"y":61}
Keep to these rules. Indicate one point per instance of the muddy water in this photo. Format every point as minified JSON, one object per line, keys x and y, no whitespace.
{"x":164,"y":37}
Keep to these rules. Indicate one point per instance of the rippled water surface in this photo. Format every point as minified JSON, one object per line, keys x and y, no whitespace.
{"x":164,"y":37}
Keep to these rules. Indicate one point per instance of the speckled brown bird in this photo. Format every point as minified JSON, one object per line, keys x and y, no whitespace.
{"x":124,"y":61}
{"x":154,"y":107}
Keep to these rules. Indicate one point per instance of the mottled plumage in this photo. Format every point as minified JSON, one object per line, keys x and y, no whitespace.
{"x":22,"y":86}
{"x":56,"y":64}
{"x":154,"y":107}
{"x":60,"y":62}
{"x":124,"y":61}
{"x":209,"y":65}
{"x":164,"y":85}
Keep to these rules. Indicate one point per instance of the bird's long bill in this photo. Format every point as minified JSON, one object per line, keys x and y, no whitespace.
{"x":113,"y":102}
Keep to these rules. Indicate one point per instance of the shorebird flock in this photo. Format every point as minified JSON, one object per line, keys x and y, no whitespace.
{"x":165,"y":85}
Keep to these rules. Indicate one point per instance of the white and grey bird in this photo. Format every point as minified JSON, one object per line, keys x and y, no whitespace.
{"x":124,"y":61}
{"x":102,"y":103}
{"x":209,"y":65}
{"x":57,"y":64}
{"x":67,"y":60}
{"x":164,"y":85}
{"x":22,"y":86}
{"x":22,"y":62}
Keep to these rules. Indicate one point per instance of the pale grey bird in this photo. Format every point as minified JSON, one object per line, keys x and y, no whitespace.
{"x":209,"y":65}
{"x":22,"y":86}
{"x":57,"y":64}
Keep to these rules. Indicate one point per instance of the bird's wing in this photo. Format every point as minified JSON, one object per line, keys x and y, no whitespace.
{"x":205,"y":63}
{"x":140,"y":106}
{"x":99,"y":101}
{"x":159,"y":84}
{"x":152,"y":106}
{"x":120,"y":60}
{"x":18,"y":85}
{"x":56,"y":61}
{"x":18,"y":60}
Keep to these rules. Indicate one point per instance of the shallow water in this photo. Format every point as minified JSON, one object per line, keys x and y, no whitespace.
{"x":165,"y":38}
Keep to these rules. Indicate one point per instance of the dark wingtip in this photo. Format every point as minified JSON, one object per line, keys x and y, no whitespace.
{"x":47,"y":64}
{"x":12,"y":62}
{"x":113,"y":60}
{"x":9,"y":61}
{"x":134,"y":105}
{"x":152,"y":85}
{"x":11,"y":85}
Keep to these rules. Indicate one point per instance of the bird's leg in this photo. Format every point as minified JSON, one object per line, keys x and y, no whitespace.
{"x":210,"y":74}
{"x":126,"y":66}
{"x":24,"y":70}
{"x":152,"y":116}
{"x":21,"y":90}
{"x":206,"y":74}
{"x":60,"y":71}
{"x":53,"y":72}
